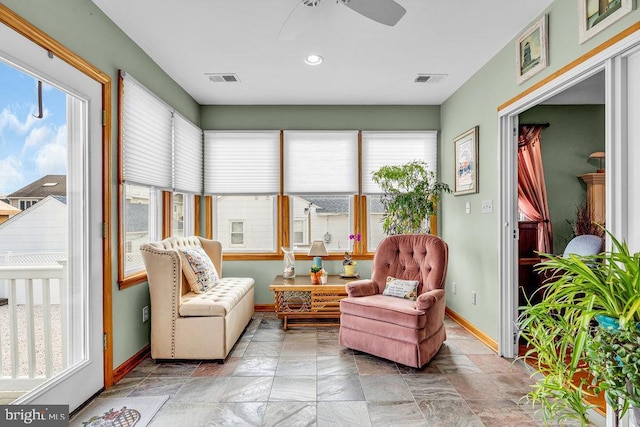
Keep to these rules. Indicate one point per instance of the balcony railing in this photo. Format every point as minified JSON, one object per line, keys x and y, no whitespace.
{"x":33,"y":330}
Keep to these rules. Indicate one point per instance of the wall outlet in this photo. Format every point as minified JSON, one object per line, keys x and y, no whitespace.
{"x":474,"y":297}
{"x":487,"y":206}
{"x":145,"y":313}
{"x":454,"y":287}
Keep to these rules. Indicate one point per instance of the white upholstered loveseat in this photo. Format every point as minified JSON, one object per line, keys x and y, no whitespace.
{"x":188,"y":325}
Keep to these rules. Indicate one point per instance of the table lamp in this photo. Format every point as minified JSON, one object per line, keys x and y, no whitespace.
{"x":317,"y":251}
{"x":600,"y":156}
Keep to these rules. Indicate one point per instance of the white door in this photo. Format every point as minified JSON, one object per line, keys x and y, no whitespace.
{"x":81,"y":375}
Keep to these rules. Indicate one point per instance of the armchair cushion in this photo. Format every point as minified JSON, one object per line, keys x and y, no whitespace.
{"x":198,"y":269}
{"x":397,"y":311}
{"x":399,"y":288}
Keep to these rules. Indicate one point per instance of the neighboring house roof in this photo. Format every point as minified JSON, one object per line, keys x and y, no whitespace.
{"x":48,"y":185}
{"x":137,"y":217}
{"x":41,"y":205}
{"x":7,"y":209}
{"x":340,"y":205}
{"x":329,"y":205}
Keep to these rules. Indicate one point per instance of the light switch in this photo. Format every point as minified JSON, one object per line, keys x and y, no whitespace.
{"x":467,"y":207}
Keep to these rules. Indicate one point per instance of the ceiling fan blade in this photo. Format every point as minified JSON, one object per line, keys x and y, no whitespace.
{"x":386,"y":12}
{"x":298,"y":19}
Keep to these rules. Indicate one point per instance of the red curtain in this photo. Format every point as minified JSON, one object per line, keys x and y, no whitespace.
{"x":532,"y":191}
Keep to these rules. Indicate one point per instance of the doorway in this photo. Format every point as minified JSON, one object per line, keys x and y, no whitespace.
{"x":76,"y":284}
{"x":622,"y":96}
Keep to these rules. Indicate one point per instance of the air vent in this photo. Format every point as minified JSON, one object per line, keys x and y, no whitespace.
{"x":429,"y":78}
{"x":223,"y":77}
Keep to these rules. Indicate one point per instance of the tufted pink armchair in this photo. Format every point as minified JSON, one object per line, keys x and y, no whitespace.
{"x":405,"y":331}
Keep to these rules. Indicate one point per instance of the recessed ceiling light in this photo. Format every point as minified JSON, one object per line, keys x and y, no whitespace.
{"x":314,"y":59}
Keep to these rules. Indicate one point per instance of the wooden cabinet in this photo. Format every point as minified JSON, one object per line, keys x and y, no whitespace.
{"x":528,"y":280}
{"x":596,"y":195}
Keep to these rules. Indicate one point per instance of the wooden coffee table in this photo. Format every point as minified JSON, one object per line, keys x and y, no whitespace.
{"x":297,"y":298}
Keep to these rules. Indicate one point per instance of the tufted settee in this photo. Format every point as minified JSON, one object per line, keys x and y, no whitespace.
{"x":407,"y":328}
{"x":189,"y":325}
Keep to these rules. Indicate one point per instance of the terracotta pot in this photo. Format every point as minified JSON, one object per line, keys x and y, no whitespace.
{"x":315,"y":278}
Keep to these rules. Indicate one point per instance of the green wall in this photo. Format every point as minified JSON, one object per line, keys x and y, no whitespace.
{"x":473,"y":237}
{"x":320,"y":117}
{"x":84,"y":29}
{"x":575,"y":132}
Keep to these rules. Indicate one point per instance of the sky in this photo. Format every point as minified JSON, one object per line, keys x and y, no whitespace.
{"x":29,"y":147}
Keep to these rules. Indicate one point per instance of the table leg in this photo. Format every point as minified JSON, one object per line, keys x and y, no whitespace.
{"x":284,"y":325}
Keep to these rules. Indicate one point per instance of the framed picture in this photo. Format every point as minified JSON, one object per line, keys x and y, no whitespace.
{"x":596,"y":15}
{"x":465,"y":153}
{"x":532,"y":50}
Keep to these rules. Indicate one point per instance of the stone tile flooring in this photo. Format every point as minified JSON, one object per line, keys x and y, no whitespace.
{"x":303,"y":377}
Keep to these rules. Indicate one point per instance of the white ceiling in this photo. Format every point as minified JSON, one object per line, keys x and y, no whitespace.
{"x":365,"y":62}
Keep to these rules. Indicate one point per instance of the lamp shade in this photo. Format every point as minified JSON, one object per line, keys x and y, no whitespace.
{"x":318,"y":249}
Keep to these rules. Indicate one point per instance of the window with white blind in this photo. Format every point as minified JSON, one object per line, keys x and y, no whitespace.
{"x":321,"y":179}
{"x":160,"y":151}
{"x":391,"y":148}
{"x":242,"y":174}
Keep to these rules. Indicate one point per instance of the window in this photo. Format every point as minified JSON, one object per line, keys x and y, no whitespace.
{"x":236,"y":233}
{"x":161,"y":152}
{"x":321,"y":179}
{"x":242,"y":174}
{"x":326,"y":218}
{"x":26,"y":204}
{"x":178,"y":215}
{"x":390,"y":148}
{"x":300,"y":237}
{"x":257,"y":216}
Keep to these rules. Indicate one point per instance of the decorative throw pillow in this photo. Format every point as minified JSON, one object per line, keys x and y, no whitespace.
{"x":399,"y":288}
{"x":199,"y":270}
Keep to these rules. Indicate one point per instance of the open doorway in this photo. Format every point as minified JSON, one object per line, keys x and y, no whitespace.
{"x":572,"y":147}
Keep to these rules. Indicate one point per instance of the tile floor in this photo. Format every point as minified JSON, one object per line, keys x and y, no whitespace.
{"x":303,"y":377}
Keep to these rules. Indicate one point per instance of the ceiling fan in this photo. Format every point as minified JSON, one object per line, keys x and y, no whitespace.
{"x":386,"y":12}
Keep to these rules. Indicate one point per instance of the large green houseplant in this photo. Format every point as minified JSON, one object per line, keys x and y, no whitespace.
{"x":569,"y":334}
{"x":410,"y":194}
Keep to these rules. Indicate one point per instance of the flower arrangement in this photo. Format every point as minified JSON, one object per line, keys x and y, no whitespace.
{"x":347,"y":256}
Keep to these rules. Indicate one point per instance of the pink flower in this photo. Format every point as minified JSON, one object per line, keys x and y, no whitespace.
{"x":355,"y":237}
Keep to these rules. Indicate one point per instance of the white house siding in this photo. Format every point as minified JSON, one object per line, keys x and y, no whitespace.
{"x":37,"y":235}
{"x":41,"y":228}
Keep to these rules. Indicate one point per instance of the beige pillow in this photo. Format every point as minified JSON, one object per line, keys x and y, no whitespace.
{"x":407,"y":289}
{"x":199,"y":270}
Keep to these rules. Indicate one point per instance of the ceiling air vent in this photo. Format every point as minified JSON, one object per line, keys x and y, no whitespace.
{"x":223,"y":77}
{"x":429,"y":78}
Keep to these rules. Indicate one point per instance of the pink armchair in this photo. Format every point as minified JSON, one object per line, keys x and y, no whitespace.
{"x":395,"y":328}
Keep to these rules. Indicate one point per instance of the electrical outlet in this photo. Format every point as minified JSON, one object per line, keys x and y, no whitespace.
{"x":145,"y":313}
{"x":454,"y":287}
{"x":487,"y":206}
{"x":474,"y":297}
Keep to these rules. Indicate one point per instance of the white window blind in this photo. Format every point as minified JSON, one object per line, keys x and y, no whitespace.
{"x":395,"y":148}
{"x":317,"y":162}
{"x":241,"y":162}
{"x":146,"y":137}
{"x":187,"y":157}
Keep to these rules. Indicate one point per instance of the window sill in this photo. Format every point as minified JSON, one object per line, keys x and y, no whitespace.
{"x":132,"y":280}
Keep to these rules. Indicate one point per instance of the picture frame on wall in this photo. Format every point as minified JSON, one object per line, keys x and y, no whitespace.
{"x":465,"y":154}
{"x":532,"y":50}
{"x":596,"y":15}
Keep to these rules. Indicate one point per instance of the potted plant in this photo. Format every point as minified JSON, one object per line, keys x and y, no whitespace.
{"x":348,"y":263}
{"x":567,"y":340}
{"x":316,"y":273}
{"x":410,"y":193}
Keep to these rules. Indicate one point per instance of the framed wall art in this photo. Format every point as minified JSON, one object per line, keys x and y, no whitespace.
{"x":532,"y":50}
{"x":596,"y":15}
{"x":465,"y":153}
